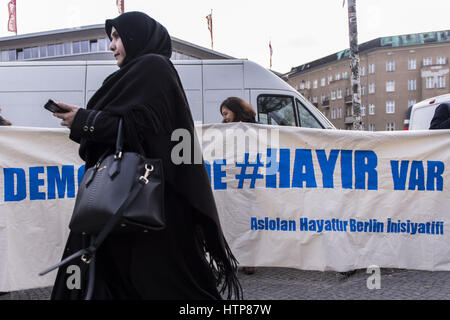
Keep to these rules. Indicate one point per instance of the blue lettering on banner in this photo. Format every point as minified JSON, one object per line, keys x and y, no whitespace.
{"x":358,"y":170}
{"x":352,"y":225}
{"x":434,"y":179}
{"x":43,"y":183}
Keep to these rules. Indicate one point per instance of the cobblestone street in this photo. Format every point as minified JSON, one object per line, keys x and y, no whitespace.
{"x":292,"y":284}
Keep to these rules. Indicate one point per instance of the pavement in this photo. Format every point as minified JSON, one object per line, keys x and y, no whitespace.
{"x":292,"y":284}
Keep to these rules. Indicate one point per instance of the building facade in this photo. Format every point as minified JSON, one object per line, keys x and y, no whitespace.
{"x":396,"y":72}
{"x":83,"y":43}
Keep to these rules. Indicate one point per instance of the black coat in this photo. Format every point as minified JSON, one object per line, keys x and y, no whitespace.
{"x":441,"y":118}
{"x":170,"y":264}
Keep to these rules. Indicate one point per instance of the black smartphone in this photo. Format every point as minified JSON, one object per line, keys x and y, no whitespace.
{"x":53,"y":107}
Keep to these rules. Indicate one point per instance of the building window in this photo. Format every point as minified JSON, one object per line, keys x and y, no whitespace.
{"x":339,"y":93}
{"x":371,"y":127}
{"x":411,"y":64}
{"x":411,"y":103}
{"x":427,"y":61}
{"x":20,"y":54}
{"x":347,"y":92}
{"x":330,"y":79}
{"x":85,"y":46}
{"x":25,"y":54}
{"x":429,"y":82}
{"x":441,"y":82}
{"x":67,"y":48}
{"x":363,"y":90}
{"x":363,"y":71}
{"x":337,"y":76}
{"x":371,"y":109}
{"x":345,"y":75}
{"x":12,"y":55}
{"x":323,"y":97}
{"x":390,"y":107}
{"x":322,"y":82}
{"x":363,"y":110}
{"x":390,"y":126}
{"x":390,"y":66}
{"x":315,"y":99}
{"x":51,"y":50}
{"x":348,"y":111}
{"x":43,"y":51}
{"x":102,"y":45}
{"x":333,"y":95}
{"x":4,"y":56}
{"x":372,"y":68}
{"x":390,"y":86}
{"x":440,"y":60}
{"x":333,"y":113}
{"x":59,"y":51}
{"x":315,"y":84}
{"x":412,"y":85}
{"x":372,"y":88}
{"x":302,"y":85}
{"x":93,"y":44}
{"x":339,"y":113}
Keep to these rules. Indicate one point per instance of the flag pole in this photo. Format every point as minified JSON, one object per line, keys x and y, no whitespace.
{"x":271,"y":52}
{"x":212,"y":37}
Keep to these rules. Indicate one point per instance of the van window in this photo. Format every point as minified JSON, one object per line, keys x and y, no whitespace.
{"x":276,"y":110}
{"x":307,"y":119}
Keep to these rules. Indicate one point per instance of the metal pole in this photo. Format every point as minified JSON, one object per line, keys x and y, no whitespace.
{"x":354,"y":65}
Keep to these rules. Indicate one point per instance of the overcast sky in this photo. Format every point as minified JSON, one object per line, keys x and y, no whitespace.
{"x":301,"y":31}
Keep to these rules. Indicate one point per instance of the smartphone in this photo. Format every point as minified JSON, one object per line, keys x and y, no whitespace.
{"x":53,"y":107}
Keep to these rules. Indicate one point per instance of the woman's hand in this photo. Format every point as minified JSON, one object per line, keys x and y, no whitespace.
{"x":67,"y":118}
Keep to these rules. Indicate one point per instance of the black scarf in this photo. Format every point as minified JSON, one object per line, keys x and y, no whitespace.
{"x":147,"y":93}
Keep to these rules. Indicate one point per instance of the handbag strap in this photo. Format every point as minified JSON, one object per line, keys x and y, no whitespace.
{"x":120,"y":137}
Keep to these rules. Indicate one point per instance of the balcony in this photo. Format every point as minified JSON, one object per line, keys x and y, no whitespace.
{"x":326,"y":103}
{"x":348,"y":99}
{"x":349,"y":120}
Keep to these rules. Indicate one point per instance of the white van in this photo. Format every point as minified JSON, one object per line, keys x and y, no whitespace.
{"x":422,"y":112}
{"x":26,"y":86}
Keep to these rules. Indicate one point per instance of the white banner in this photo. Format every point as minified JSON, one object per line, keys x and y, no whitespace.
{"x":289,"y":197}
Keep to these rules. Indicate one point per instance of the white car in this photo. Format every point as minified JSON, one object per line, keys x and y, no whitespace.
{"x":422,"y":112}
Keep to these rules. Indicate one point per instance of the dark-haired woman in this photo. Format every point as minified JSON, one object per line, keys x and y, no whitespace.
{"x":190,"y":258}
{"x":235,"y":109}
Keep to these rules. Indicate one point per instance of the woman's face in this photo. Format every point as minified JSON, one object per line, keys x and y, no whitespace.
{"x":227,"y":114}
{"x":117,"y":47}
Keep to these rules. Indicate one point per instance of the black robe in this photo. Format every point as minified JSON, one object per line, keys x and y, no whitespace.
{"x":170,"y":264}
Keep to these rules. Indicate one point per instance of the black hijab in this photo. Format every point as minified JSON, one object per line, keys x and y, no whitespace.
{"x":147,"y":93}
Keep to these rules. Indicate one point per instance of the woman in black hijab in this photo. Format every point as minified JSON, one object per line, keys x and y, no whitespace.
{"x":147,"y":94}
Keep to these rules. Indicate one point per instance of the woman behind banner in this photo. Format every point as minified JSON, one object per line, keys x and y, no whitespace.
{"x":147,"y":94}
{"x":234,"y":109}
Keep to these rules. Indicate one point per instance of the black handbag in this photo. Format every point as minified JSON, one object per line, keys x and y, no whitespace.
{"x":123,"y":192}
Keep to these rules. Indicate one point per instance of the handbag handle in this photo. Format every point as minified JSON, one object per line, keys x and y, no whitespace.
{"x":119,"y":139}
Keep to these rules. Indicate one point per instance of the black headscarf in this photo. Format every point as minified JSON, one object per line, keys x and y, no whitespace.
{"x":147,"y":94}
{"x":140,"y":34}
